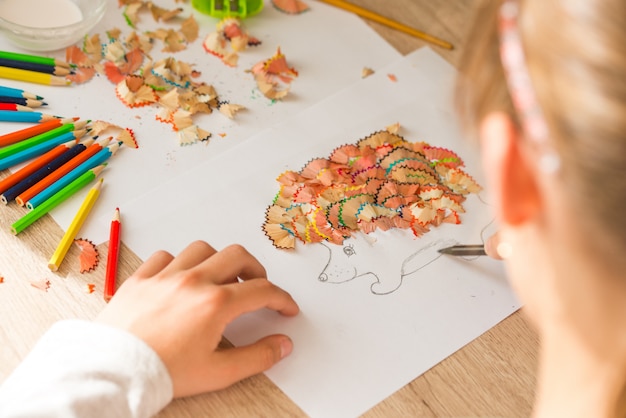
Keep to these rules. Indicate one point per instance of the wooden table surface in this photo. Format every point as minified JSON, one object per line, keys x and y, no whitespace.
{"x":492,"y":376}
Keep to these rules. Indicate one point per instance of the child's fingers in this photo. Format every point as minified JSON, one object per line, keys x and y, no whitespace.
{"x":231,"y":262}
{"x":491,"y":246}
{"x":154,"y":264}
{"x":255,"y":294}
{"x":234,"y":364}
{"x":194,"y":254}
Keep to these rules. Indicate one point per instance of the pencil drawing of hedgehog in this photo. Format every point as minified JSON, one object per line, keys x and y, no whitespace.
{"x":380,"y":183}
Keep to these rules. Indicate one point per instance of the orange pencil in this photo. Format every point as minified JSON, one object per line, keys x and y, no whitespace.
{"x":17,"y":136}
{"x":114,"y":250}
{"x":60,"y":172}
{"x":33,"y":166}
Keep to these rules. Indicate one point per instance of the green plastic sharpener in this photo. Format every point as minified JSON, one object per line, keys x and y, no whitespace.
{"x":228,"y":8}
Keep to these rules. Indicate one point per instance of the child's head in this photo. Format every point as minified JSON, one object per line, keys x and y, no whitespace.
{"x":574,"y":54}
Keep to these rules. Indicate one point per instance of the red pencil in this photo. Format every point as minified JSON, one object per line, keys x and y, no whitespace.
{"x":114,"y":250}
{"x":15,"y":107}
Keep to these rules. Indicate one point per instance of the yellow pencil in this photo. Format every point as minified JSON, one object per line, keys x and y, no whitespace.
{"x":77,"y":222}
{"x":33,"y":77}
{"x":367,"y":14}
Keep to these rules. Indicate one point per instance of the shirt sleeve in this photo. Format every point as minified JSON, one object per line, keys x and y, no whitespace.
{"x":86,"y":369}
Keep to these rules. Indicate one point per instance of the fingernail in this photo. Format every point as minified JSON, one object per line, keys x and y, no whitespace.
{"x":286,"y":347}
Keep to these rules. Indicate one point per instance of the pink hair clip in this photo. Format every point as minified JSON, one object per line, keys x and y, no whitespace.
{"x":519,"y":82}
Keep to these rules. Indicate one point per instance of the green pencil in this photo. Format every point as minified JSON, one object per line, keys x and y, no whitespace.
{"x":38,"y":139}
{"x":35,"y":59}
{"x":63,"y":194}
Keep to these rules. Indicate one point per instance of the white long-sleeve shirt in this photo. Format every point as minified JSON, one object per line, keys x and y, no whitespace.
{"x":85,"y":369}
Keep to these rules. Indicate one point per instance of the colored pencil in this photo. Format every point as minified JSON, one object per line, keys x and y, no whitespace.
{"x":38,"y":139}
{"x":47,"y":181}
{"x":32,"y":66}
{"x":12,"y":107}
{"x":40,"y":149}
{"x":22,"y":134}
{"x":33,"y":77}
{"x":112,"y":256}
{"x":55,"y":200}
{"x":367,"y":14}
{"x":13,"y":92}
{"x":70,"y":152}
{"x":22,"y":101}
{"x":36,"y":59}
{"x":99,"y":158}
{"x":33,"y":166}
{"x":36,"y":117}
{"x":75,"y":225}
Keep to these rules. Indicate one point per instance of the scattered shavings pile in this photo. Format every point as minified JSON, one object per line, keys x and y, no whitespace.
{"x":140,"y":81}
{"x":382,"y":181}
{"x":292,"y":7}
{"x":88,"y":255}
{"x":173,"y":40}
{"x":228,"y":32}
{"x":273,"y":76}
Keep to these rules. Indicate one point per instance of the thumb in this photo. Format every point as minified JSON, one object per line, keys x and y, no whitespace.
{"x":240,"y":362}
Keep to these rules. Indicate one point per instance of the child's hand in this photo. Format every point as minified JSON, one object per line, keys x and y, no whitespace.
{"x":181,"y":305}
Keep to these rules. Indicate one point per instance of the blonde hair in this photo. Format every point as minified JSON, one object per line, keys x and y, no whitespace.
{"x":575,"y":56}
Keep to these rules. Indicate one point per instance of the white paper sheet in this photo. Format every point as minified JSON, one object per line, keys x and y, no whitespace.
{"x":352,"y":348}
{"x":328,"y":47}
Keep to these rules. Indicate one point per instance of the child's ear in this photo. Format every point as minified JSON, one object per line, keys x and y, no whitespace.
{"x":511,"y":180}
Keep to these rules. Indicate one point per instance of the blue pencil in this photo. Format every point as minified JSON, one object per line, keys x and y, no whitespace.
{"x":39,"y":149}
{"x":11,"y":92}
{"x":73,"y":149}
{"x":97,"y":159}
{"x":36,"y":117}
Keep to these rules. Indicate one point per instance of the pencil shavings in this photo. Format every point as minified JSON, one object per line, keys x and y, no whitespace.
{"x":90,"y":288}
{"x":134,"y":93}
{"x":394,"y":128}
{"x":228,"y":35}
{"x":229,"y":110}
{"x":366,"y":72}
{"x":159,"y":14}
{"x":273,"y":76}
{"x":381,"y":182}
{"x":192,"y":134}
{"x":84,"y":67}
{"x":89,"y":256}
{"x":189,"y":29}
{"x":124,"y":135}
{"x":43,"y":284}
{"x":169,"y":84}
{"x":129,"y":63}
{"x":291,"y":7}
